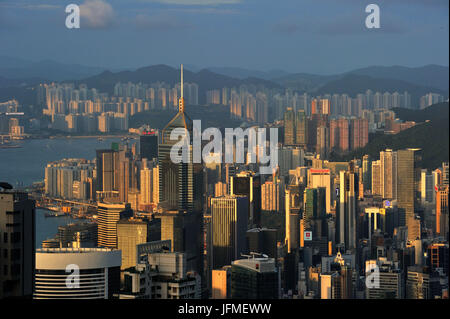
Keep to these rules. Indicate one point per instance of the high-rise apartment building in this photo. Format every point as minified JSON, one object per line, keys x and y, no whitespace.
{"x":388,"y":170}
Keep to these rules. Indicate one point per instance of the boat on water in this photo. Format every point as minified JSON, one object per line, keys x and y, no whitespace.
{"x":55,"y":215}
{"x":7,"y":145}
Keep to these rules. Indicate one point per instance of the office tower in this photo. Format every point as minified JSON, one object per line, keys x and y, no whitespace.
{"x":442,"y":197}
{"x":107,"y":163}
{"x":289,"y":127}
{"x":108,"y":216}
{"x":185,"y":232}
{"x":390,"y":283}
{"x":289,"y":158}
{"x":99,"y":270}
{"x":322,"y":178}
{"x":254,"y":278}
{"x":172,"y":229}
{"x":130,"y":233}
{"x":426,"y":187}
{"x":148,"y":142}
{"x":17,"y":244}
{"x":229,"y":226}
{"x":293,"y":201}
{"x":248,"y":184}
{"x":315,"y":210}
{"x":346,"y":209}
{"x":388,"y":170}
{"x":263,"y":241}
{"x":367,"y":173}
{"x":376,"y":178}
{"x":408,"y":177}
{"x":180,"y":184}
{"x":301,"y":129}
{"x":437,"y":256}
{"x":221,"y":283}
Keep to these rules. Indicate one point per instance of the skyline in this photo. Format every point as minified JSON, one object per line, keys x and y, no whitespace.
{"x":304,"y":37}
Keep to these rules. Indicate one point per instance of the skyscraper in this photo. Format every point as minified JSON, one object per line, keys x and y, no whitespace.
{"x":301,"y":129}
{"x":408,"y":177}
{"x":346,"y":209}
{"x":249,"y":184}
{"x":130,"y":232}
{"x":442,"y":197}
{"x":229,"y":227}
{"x":367,"y":172}
{"x":149,"y":144}
{"x":293,"y":202}
{"x":107,"y":170}
{"x":181,"y":186}
{"x":388,"y":162}
{"x":108,"y":216}
{"x":289,"y":127}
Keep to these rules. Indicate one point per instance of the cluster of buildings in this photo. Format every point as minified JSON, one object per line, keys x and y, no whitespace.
{"x":9,"y":119}
{"x":430,"y":99}
{"x":369,"y":228}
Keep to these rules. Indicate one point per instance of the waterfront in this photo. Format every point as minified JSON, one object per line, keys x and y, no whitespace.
{"x":47,"y":227}
{"x":25,"y":165}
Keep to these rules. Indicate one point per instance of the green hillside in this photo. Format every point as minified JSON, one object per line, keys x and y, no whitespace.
{"x":431,"y":135}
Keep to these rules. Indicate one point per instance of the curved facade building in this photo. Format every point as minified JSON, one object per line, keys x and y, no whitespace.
{"x":77,"y":273}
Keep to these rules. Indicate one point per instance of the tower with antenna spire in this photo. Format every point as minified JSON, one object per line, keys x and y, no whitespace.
{"x":181,"y":100}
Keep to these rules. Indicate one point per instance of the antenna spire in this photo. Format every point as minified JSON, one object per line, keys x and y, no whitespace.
{"x":181,"y":100}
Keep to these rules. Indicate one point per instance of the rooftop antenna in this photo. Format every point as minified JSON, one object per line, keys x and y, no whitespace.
{"x":181,"y":100}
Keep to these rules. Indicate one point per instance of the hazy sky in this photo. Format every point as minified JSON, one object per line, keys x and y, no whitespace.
{"x":315,"y":36}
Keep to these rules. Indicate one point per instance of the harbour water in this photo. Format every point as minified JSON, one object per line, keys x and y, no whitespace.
{"x":25,"y":165}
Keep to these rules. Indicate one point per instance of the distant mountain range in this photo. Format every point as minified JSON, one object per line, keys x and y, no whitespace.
{"x":352,"y":84}
{"x":15,"y":72}
{"x":431,"y":76}
{"x":205,"y":79}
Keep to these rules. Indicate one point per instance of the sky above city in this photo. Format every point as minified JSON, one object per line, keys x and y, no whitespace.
{"x":311,"y":36}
